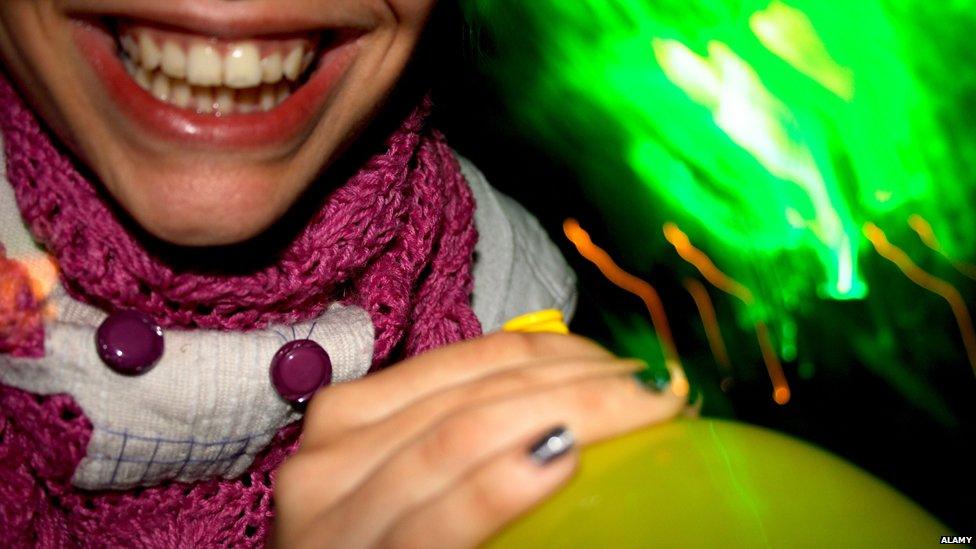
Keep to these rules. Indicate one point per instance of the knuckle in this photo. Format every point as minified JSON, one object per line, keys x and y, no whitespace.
{"x":615,"y":402}
{"x":449,"y":441}
{"x":604,"y":397}
{"x":591,"y":400}
{"x":519,"y":344}
{"x":329,"y":400}
{"x":539,"y":345}
{"x":317,"y":411}
{"x":329,"y":412}
{"x":516,"y":378}
{"x":519,"y":377}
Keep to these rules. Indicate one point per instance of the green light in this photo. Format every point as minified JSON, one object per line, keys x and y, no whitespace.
{"x":777,"y":128}
{"x":771,"y":132}
{"x":788,"y":33}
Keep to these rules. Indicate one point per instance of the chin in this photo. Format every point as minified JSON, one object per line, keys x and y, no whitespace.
{"x":205,"y":211}
{"x":204,"y":231}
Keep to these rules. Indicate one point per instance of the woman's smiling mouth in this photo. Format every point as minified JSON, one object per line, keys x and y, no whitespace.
{"x":212,"y":75}
{"x":233,"y":92}
{"x":207,"y":120}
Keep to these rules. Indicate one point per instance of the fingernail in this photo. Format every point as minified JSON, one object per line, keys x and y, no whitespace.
{"x":656,"y":379}
{"x":552,"y":445}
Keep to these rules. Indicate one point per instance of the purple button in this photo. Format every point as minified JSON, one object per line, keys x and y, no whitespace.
{"x":129,"y":342}
{"x":300,"y":368}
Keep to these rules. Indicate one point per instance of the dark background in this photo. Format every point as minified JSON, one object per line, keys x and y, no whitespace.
{"x":844,"y":408}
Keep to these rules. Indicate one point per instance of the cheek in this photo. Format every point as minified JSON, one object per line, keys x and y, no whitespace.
{"x":413,"y":13}
{"x":28,"y":53}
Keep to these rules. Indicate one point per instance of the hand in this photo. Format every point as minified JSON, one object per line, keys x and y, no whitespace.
{"x":434,"y":451}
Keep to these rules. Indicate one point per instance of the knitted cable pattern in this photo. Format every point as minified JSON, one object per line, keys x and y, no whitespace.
{"x":396,"y":239}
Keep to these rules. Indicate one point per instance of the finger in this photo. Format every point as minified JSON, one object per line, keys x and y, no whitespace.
{"x":419,"y":414}
{"x":341,"y":407}
{"x":594,"y":409}
{"x":484,"y":500}
{"x":358,"y":453}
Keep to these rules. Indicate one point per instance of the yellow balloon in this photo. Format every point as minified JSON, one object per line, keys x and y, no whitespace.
{"x":709,"y":483}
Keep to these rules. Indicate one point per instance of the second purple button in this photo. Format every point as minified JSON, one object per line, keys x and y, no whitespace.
{"x":299,"y":369}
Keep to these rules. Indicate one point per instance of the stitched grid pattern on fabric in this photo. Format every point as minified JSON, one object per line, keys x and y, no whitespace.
{"x":137,"y":459}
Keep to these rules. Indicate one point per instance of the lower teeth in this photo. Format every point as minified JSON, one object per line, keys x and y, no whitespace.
{"x":217,"y":100}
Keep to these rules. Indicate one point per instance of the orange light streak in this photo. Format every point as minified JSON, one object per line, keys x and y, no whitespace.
{"x":931,"y":283}
{"x":704,"y":264}
{"x":640,"y":288}
{"x":710,"y":321}
{"x":925,"y":233}
{"x":682,"y":244}
{"x":781,"y":389}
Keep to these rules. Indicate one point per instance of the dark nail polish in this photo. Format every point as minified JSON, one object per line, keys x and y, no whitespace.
{"x":656,"y":379}
{"x":554,"y":444}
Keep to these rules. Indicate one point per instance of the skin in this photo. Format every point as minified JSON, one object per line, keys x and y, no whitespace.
{"x":187,"y":194}
{"x":430,"y":452}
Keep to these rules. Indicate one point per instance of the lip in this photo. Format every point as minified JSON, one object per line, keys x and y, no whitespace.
{"x":289,"y":120}
{"x":219,"y":18}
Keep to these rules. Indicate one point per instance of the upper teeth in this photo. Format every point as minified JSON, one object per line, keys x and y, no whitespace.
{"x":242,"y":67}
{"x":204,"y":66}
{"x":168,"y":66}
{"x":202,"y":63}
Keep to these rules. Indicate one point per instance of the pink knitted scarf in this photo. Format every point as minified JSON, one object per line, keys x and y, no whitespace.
{"x":397,"y":239}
